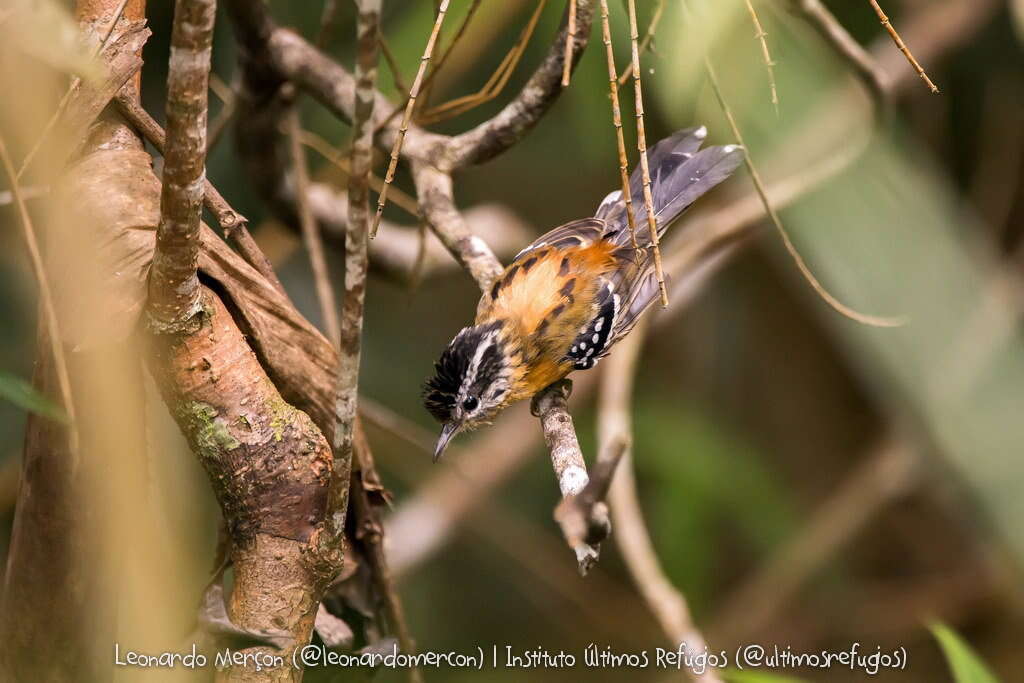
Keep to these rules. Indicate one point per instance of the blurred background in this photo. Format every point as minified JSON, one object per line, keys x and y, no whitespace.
{"x":806,"y":480}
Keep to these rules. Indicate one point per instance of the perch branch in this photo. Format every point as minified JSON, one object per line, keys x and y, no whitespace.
{"x":570,"y":470}
{"x":174,"y":293}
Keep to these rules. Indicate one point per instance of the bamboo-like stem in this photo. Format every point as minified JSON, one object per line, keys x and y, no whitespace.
{"x":438,"y":65}
{"x":762,"y":37}
{"x":903,"y":46}
{"x":494,"y":85}
{"x":755,"y":176}
{"x":641,"y":145}
{"x":311,"y":231}
{"x":645,"y":42}
{"x":410,"y":105}
{"x":46,"y":295}
{"x":175,"y":296}
{"x":570,"y":39}
{"x":627,"y":196}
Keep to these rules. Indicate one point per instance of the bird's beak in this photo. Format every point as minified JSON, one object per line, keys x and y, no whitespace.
{"x":447,"y":432}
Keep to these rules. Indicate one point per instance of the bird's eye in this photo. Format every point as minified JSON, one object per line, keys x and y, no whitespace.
{"x":470,"y":404}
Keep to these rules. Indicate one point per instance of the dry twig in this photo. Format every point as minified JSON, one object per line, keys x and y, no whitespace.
{"x":835,"y":34}
{"x":494,"y":85}
{"x":627,"y":196}
{"x":646,"y":41}
{"x":570,"y":39}
{"x":762,"y":37}
{"x":396,"y":149}
{"x":902,"y":46}
{"x":641,"y":145}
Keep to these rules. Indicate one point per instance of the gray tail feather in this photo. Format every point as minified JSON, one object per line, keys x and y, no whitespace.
{"x":680,"y":173}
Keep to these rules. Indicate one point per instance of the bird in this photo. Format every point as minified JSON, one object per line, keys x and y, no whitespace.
{"x":569,"y":296}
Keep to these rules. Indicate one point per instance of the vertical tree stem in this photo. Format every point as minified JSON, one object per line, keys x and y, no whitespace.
{"x":174,"y":292}
{"x":641,"y":145}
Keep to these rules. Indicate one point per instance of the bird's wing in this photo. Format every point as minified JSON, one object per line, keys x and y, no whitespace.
{"x":578,"y":233}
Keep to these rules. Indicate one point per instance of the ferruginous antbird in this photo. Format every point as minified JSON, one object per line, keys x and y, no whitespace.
{"x":568,"y":297}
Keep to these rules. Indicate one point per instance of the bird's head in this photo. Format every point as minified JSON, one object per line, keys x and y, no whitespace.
{"x":472,"y":381}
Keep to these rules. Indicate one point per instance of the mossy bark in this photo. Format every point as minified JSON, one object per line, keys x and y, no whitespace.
{"x":270,"y":467}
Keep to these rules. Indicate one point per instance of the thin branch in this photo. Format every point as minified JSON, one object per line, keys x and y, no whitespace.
{"x":641,"y":145}
{"x":230,"y":221}
{"x":396,"y":149}
{"x":570,"y":468}
{"x":762,"y":37}
{"x":356,"y":237}
{"x":337,"y":158}
{"x":311,"y":232}
{"x":494,"y":85}
{"x":570,"y":39}
{"x":438,"y":65}
{"x":627,"y":195}
{"x":46,"y":295}
{"x":902,"y":46}
{"x":645,"y":42}
{"x":614,"y":420}
{"x":175,"y":296}
{"x":507,"y":127}
{"x":835,"y":304}
{"x":434,"y":189}
{"x":835,"y":34}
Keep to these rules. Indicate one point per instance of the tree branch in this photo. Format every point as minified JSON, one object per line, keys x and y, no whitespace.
{"x":174,"y":294}
{"x":570,"y":469}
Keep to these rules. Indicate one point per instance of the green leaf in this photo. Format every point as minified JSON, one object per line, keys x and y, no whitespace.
{"x":24,"y":395}
{"x":966,"y":665}
{"x":733,"y":676}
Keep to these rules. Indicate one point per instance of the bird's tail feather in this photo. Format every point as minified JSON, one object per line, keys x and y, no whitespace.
{"x":680,"y":173}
